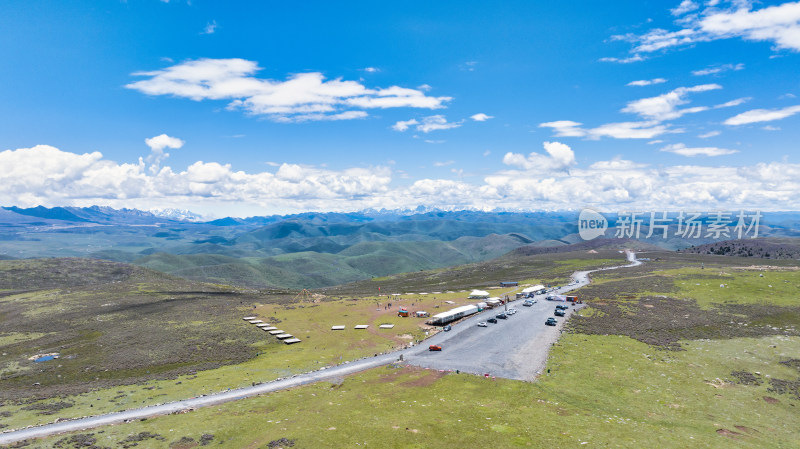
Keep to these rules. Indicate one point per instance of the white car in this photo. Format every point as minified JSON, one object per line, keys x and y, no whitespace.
{"x":482,"y":324}
{"x":511,"y":311}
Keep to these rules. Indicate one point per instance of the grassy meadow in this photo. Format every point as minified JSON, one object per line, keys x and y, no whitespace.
{"x":662,"y":356}
{"x":129,"y":337}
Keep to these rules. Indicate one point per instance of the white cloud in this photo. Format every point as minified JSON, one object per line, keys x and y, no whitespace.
{"x":371,"y":69}
{"x":48,"y":176}
{"x":427,"y":124}
{"x":302,"y":97}
{"x":718,"y":69}
{"x":683,"y":150}
{"x":709,"y":134}
{"x":319,"y":117}
{"x":629,"y":130}
{"x":157,"y":145}
{"x":684,"y":7}
{"x":480,"y":117}
{"x":659,"y":39}
{"x":628,"y":60}
{"x":778,"y":24}
{"x":654,"y":110}
{"x":620,"y":130}
{"x":617,"y":164}
{"x":210,"y":28}
{"x":665,"y":106}
{"x":647,"y":82}
{"x":560,"y":157}
{"x":435,"y":123}
{"x":403,"y":125}
{"x":732,"y":103}
{"x":762,"y":115}
{"x":469,"y":66}
{"x":565,"y":128}
{"x":161,"y":141}
{"x":444,"y":163}
{"x":770,"y":128}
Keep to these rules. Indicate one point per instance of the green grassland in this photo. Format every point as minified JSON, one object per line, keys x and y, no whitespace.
{"x":553,"y":268}
{"x":131,"y":337}
{"x":654,"y":360}
{"x":605,"y":391}
{"x":322,"y":266}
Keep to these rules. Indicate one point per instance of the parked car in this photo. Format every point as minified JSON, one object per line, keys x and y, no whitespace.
{"x":562,"y":307}
{"x":511,"y":311}
{"x":559,"y":312}
{"x":447,"y":328}
{"x":492,"y":320}
{"x":434,"y":348}
{"x":551,"y":321}
{"x":501,"y":316}
{"x":527,"y":303}
{"x":482,"y":324}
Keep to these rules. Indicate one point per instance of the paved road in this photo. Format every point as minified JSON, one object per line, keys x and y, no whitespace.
{"x":502,"y":350}
{"x":515,"y":348}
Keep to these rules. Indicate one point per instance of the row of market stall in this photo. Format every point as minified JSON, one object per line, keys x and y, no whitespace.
{"x":272,"y":330}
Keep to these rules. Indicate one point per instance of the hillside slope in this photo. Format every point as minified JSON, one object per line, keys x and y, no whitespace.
{"x":764,"y":248}
{"x":111,"y":324}
{"x":312,"y":269}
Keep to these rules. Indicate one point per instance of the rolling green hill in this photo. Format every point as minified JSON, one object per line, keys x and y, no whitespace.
{"x":312,"y":269}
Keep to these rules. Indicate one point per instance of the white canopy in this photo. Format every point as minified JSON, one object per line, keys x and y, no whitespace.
{"x":478,"y":294}
{"x":535,"y":288}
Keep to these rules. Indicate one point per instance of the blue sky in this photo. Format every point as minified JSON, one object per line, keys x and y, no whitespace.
{"x":250,"y":108}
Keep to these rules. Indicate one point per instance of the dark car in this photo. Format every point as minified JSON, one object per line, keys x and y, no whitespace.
{"x":551,"y":321}
{"x":559,"y":312}
{"x":492,"y":320}
{"x":501,"y":316}
{"x":446,"y":328}
{"x":562,"y":307}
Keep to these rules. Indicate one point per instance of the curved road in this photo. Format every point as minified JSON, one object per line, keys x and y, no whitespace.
{"x":506,"y":350}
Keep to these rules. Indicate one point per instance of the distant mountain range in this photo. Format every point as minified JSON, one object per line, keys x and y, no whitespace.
{"x":302,"y":250}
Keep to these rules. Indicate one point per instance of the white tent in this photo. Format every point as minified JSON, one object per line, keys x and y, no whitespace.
{"x":478,"y":294}
{"x":534,"y":289}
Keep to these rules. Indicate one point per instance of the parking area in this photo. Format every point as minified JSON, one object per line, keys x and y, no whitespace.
{"x":514,"y":348}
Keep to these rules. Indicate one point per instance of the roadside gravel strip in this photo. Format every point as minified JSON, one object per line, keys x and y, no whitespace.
{"x":515,"y":348}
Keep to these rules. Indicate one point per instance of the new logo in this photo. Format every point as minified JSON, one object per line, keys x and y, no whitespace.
{"x":591,"y":224}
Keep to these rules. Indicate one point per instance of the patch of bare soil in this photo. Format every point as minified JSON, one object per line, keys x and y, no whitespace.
{"x":730,"y":434}
{"x":746,"y":429}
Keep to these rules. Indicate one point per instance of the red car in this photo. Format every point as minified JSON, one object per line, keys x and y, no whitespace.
{"x":435,"y":348}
